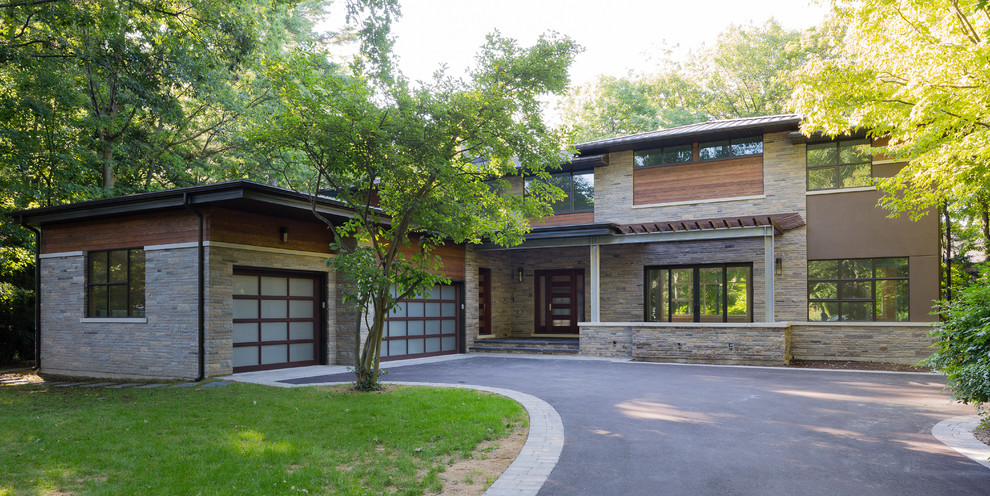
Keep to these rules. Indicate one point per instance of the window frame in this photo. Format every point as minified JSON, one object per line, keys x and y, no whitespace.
{"x":696,"y":291}
{"x":837,"y":166}
{"x":873,"y":280}
{"x":729,"y":146}
{"x":696,"y":147}
{"x":569,"y":192}
{"x":132,"y":280}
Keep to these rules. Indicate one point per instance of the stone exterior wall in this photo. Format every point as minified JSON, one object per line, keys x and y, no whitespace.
{"x":162,"y":345}
{"x":906,"y":343}
{"x":222,"y":259}
{"x":689,"y":343}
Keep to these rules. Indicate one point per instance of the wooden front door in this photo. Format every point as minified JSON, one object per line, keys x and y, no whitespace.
{"x":559,"y":301}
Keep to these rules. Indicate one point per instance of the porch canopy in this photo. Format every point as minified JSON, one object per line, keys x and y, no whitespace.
{"x":596,"y":234}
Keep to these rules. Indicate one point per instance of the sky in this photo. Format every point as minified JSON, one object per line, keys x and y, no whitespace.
{"x":618,"y":36}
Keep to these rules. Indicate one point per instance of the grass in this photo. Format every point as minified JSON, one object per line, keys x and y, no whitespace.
{"x":239,"y":439}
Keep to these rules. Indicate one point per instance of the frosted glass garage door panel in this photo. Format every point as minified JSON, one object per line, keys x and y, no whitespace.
{"x":245,"y":356}
{"x":245,"y":309}
{"x":301,"y":352}
{"x":415,"y":346}
{"x":274,"y":331}
{"x":300,"y":330}
{"x":245,"y":285}
{"x":274,"y":286}
{"x":274,"y":354}
{"x":300,"y":287}
{"x":245,"y":333}
{"x":274,"y":309}
{"x":300,"y":309}
{"x":448,"y":343}
{"x":397,"y":347}
{"x":432,"y":345}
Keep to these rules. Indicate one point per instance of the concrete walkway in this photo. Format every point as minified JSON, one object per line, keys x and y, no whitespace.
{"x":636,"y":428}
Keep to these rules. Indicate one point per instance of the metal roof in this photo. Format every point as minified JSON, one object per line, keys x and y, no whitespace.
{"x":763,"y":123}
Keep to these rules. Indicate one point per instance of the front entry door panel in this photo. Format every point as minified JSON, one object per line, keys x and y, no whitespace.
{"x":559,"y":301}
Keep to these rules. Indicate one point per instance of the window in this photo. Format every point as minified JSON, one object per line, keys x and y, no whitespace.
{"x":864,"y":289}
{"x":668,"y":155}
{"x":704,"y":293}
{"x":115,"y":283}
{"x":840,"y":164}
{"x":741,"y":147}
{"x":579,"y":188}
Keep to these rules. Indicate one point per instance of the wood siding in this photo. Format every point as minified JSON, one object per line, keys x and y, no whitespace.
{"x":698,"y":181}
{"x":109,"y":233}
{"x":453,"y":258}
{"x":246,"y":228}
{"x":566,"y":219}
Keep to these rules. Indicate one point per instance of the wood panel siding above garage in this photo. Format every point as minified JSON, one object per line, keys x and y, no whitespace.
{"x":249,"y":228}
{"x":698,"y":181}
{"x":566,"y":219}
{"x":110,"y":233}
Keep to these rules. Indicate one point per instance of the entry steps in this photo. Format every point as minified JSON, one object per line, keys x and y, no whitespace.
{"x":535,"y":346}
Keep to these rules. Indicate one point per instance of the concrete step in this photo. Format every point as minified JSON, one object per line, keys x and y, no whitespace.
{"x":541,"y":346}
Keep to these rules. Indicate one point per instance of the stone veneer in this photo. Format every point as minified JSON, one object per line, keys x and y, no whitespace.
{"x":893,"y":342}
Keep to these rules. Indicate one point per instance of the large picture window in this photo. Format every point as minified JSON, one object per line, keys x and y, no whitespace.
{"x":840,"y":164}
{"x":703,"y":293}
{"x":115,"y":283}
{"x":864,"y":289}
{"x":579,"y":188}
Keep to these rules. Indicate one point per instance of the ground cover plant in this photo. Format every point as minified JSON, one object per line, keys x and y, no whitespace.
{"x":239,"y":439}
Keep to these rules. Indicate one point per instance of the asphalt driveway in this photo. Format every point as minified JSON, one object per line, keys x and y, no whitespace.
{"x":658,"y":429}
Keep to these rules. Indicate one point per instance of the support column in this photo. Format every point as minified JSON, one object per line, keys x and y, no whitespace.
{"x":769,"y":270}
{"x":595,"y":282}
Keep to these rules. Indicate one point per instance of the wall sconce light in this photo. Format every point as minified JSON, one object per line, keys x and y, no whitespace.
{"x":778,"y":267}
{"x":283,"y":234}
{"x":519,"y":271}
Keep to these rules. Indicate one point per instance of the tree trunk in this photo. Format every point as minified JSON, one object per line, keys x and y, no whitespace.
{"x":109,"y":179}
{"x":367,"y":370}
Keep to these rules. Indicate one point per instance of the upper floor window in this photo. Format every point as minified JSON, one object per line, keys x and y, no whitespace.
{"x":859,"y":289}
{"x":578,"y":186}
{"x":840,"y":164}
{"x":737,"y":147}
{"x":703,"y":293}
{"x":115,"y":283}
{"x":668,"y":155}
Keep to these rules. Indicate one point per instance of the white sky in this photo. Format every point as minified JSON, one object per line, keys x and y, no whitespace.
{"x":618,"y":35}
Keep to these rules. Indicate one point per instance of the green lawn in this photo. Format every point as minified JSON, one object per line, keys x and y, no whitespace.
{"x":239,"y":439}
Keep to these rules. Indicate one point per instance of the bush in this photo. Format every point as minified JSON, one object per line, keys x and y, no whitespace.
{"x":16,"y":323}
{"x":962,"y":341}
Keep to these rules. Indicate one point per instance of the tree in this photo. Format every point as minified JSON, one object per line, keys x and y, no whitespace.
{"x":420,"y":166}
{"x":914,"y":72}
{"x":746,"y":73}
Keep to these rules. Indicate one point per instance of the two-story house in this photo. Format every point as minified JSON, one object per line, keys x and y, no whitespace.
{"x":737,"y":241}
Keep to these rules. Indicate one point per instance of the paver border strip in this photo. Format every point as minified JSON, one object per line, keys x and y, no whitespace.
{"x":957,"y":433}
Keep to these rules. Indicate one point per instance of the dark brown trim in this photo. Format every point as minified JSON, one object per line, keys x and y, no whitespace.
{"x":484,"y":301}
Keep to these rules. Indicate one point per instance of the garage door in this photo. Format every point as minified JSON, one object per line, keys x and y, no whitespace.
{"x":275,"y":320}
{"x":424,"y":326}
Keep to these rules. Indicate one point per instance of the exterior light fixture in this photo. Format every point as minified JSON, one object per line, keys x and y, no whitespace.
{"x":283,"y":234}
{"x":520,"y":273}
{"x":778,"y":267}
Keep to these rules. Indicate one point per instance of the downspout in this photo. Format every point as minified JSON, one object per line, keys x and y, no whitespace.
{"x":201,"y":315}
{"x":37,"y":293}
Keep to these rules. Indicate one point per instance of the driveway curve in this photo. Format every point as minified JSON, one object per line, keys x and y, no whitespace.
{"x":650,"y":429}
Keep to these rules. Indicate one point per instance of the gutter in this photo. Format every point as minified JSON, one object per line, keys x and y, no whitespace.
{"x":37,"y":292}
{"x":201,"y":315}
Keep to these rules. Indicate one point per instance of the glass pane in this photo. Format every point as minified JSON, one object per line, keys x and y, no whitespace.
{"x":432,"y":309}
{"x":853,"y":176}
{"x":656,"y":301}
{"x":397,"y":328}
{"x":98,"y":267}
{"x":892,"y":300}
{"x":644,"y":158}
{"x":245,"y":333}
{"x":448,"y":309}
{"x":274,"y":286}
{"x":415,"y":308}
{"x":713,"y":150}
{"x":677,"y":154}
{"x":301,"y":287}
{"x":823,"y":269}
{"x":562,"y":181}
{"x":447,"y":326}
{"x":857,"y":311}
{"x":415,"y":346}
{"x":245,"y":356}
{"x":737,"y":293}
{"x":278,"y":353}
{"x":852,"y":152}
{"x":856,"y":290}
{"x":448,"y":293}
{"x":541,"y":298}
{"x":584,"y":191}
{"x":136,"y":284}
{"x":822,"y":178}
{"x":299,"y":352}
{"x":891,"y":267}
{"x":823,"y":290}
{"x":856,"y":268}
{"x":416,"y":327}
{"x":710,"y":287}
{"x":397,"y":347}
{"x":245,"y":285}
{"x":245,"y":309}
{"x":118,"y":300}
{"x":301,"y":330}
{"x":399,"y":310}
{"x":681,"y":289}
{"x":274,"y":309}
{"x":274,"y":331}
{"x":821,"y":154}
{"x":432,"y":326}
{"x":98,"y":301}
{"x":432,"y":345}
{"x":118,"y":266}
{"x":823,"y":311}
{"x":300,"y":309}
{"x":448,"y":343}
{"x":747,"y":146}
